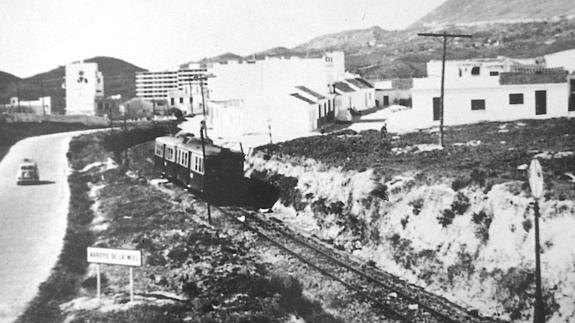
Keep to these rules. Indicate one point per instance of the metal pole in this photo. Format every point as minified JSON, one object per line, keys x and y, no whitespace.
{"x":441,"y":107}
{"x":131,"y":284}
{"x":98,"y":281}
{"x":126,"y":162}
{"x":539,"y":313}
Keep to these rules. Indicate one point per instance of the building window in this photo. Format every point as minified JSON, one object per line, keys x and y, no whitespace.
{"x":172,"y":102}
{"x":181,"y":100}
{"x":477,"y":104}
{"x":475,"y":70}
{"x":493,"y":73}
{"x":319,"y":111}
{"x":516,"y":98}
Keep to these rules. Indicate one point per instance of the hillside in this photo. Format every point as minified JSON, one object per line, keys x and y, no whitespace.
{"x":474,"y":11}
{"x":7,"y":79}
{"x":457,"y":221}
{"x":376,"y":53}
{"x":344,"y":40}
{"x":119,"y":78}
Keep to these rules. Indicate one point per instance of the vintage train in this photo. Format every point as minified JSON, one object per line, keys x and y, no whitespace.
{"x":211,"y":171}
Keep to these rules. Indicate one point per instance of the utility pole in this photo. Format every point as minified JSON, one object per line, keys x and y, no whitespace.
{"x":203,"y":104}
{"x":42,"y":98}
{"x":203,"y":164}
{"x":442,"y":100}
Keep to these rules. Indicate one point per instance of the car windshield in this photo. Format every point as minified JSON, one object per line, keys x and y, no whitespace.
{"x":27,"y":167}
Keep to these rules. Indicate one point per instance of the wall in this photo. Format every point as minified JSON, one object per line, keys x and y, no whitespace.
{"x":564,"y":59}
{"x":497,"y":107}
{"x":84,"y":119}
{"x":272,"y":76}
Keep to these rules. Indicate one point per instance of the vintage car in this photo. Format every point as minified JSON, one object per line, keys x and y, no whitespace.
{"x":28,"y":172}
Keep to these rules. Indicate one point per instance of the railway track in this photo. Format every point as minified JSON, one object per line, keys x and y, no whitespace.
{"x":398,"y":299}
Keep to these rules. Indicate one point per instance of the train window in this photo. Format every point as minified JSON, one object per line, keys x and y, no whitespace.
{"x":159,"y":149}
{"x":198,"y":164}
{"x":170,"y":154}
{"x":184,"y":158}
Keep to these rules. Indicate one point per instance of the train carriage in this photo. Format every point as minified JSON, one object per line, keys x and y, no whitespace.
{"x":182,"y":159}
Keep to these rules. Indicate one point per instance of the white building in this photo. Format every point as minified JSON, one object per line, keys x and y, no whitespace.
{"x":565,"y":59}
{"x":41,"y":106}
{"x":155,"y":85}
{"x":393,"y":92}
{"x":357,"y":94}
{"x":490,"y":90}
{"x":179,"y":88}
{"x":293,"y":95}
{"x":84,"y":85}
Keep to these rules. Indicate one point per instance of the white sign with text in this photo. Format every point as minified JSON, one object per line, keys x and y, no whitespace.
{"x":123,"y":257}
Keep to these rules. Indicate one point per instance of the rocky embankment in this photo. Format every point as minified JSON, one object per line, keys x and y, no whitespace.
{"x":470,"y":241}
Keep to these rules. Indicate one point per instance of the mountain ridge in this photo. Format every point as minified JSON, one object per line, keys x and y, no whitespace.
{"x":119,"y":78}
{"x":500,"y":11}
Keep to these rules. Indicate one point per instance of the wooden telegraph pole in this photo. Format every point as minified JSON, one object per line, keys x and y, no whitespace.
{"x":536,"y":185}
{"x":203,"y":136}
{"x":445,"y":36}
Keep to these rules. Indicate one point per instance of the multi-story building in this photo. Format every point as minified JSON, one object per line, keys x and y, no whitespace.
{"x":84,"y":85}
{"x":154,"y":86}
{"x":177,"y":88}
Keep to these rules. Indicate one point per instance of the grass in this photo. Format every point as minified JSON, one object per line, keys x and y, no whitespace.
{"x":222,"y":280}
{"x":503,"y":147}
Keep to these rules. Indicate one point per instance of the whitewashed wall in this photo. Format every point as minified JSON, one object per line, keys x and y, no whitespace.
{"x":497,"y":106}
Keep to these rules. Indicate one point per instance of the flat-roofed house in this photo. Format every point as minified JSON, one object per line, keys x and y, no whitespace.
{"x":491,"y":90}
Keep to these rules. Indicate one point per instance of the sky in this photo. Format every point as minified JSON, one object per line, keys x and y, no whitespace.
{"x":39,"y":35}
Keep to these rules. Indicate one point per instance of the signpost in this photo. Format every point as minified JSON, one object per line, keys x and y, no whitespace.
{"x":536,"y":185}
{"x":122,"y":257}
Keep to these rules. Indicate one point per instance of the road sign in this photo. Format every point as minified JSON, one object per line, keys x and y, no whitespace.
{"x":536,"y":178}
{"x":122,"y":257}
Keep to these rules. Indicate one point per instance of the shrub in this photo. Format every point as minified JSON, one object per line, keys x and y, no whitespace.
{"x":527,"y":225}
{"x":417,"y":205}
{"x":460,"y":203}
{"x":380,"y":192}
{"x":446,"y":217}
{"x":285,"y":284}
{"x":460,"y":182}
{"x":483,"y":223}
{"x":404,"y":222}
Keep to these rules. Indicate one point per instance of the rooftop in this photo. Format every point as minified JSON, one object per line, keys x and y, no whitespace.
{"x":303,"y":98}
{"x":310,"y":92}
{"x":343,"y":87}
{"x":359,"y":83}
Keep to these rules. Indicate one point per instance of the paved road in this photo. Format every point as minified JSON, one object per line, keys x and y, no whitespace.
{"x":32,"y":220}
